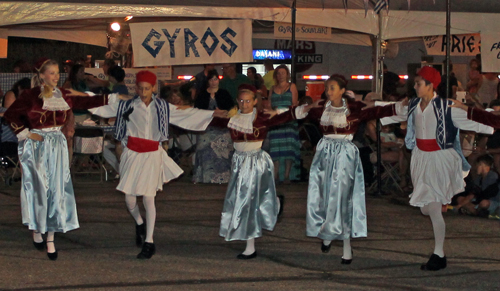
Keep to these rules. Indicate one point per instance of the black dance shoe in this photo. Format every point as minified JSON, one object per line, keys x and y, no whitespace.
{"x":247,"y":257}
{"x":140,"y":234}
{"x":282,"y":205}
{"x":148,"y":250}
{"x":52,"y":256}
{"x":325,"y":248}
{"x":39,"y":245}
{"x":347,"y":262}
{"x":435,"y":263}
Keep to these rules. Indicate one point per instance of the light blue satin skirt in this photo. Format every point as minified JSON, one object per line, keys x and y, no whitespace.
{"x":251,"y":203}
{"x":47,"y":197}
{"x":336,"y":195}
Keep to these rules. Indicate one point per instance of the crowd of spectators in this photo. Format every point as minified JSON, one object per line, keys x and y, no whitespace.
{"x":213,"y":149}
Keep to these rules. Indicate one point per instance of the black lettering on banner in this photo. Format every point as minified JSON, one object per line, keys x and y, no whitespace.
{"x":190,"y":39}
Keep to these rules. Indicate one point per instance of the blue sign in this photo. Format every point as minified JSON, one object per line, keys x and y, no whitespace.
{"x":272,"y":54}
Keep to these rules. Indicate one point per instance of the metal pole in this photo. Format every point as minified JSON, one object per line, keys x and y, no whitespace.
{"x":375,"y":53}
{"x":294,"y":12}
{"x":448,"y":47}
{"x":379,"y":87}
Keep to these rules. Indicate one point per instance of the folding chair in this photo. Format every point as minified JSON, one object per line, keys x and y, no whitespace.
{"x":390,"y":174}
{"x":88,"y":146}
{"x":8,"y":159}
{"x":309,"y":133}
{"x":9,"y":162}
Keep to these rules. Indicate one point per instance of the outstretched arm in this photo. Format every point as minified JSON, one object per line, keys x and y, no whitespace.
{"x":475,"y":114}
{"x":461,"y":121}
{"x":400,"y":112}
{"x":109,"y":110}
{"x":192,"y":118}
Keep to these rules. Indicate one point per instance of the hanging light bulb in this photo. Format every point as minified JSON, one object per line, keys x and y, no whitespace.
{"x":127,"y":18}
{"x":115,"y":26}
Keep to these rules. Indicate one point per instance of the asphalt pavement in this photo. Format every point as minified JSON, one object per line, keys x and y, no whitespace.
{"x":101,"y":255}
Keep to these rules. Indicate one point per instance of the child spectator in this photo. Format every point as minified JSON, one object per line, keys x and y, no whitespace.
{"x":483,"y":199}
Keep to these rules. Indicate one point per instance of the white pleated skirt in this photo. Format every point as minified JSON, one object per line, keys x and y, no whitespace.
{"x":143,"y":174}
{"x":437,"y":176}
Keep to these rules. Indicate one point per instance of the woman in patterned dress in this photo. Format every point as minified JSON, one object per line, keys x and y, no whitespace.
{"x":284,"y":139}
{"x":214,"y":147}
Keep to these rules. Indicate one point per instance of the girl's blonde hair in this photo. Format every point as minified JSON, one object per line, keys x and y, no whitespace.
{"x":37,"y":80}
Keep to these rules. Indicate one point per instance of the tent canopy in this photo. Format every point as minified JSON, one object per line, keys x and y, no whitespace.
{"x":423,"y":18}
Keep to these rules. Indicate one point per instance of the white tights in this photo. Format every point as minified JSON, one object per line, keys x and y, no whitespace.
{"x":149,"y":205}
{"x":347,"y":250}
{"x":38,"y":238}
{"x":250,"y":249}
{"x":433,"y":210}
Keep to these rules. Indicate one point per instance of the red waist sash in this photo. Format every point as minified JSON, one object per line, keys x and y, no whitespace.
{"x":428,"y":145}
{"x":141,"y":145}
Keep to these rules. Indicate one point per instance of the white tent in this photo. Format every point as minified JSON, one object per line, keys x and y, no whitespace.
{"x":424,"y":18}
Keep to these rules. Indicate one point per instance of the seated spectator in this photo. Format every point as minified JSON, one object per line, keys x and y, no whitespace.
{"x":493,"y":143}
{"x":117,"y":78}
{"x":485,"y":144}
{"x":483,"y":199}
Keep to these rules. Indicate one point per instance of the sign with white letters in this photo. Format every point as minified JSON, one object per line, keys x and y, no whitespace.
{"x":191,"y":42}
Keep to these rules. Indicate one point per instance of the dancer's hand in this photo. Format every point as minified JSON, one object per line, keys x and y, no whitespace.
{"x":270,"y":112}
{"x":405,"y":101}
{"x":77,"y":93}
{"x":458,"y":104}
{"x":315,"y":104}
{"x":35,"y":136}
{"x":220,"y":113}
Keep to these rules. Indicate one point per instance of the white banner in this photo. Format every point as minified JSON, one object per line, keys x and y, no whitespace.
{"x":191,"y":42}
{"x":303,"y":32}
{"x":490,"y":54}
{"x":162,"y":74}
{"x":461,"y":44}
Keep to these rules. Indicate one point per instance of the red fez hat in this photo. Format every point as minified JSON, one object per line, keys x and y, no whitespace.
{"x":430,"y":74}
{"x":145,"y":76}
{"x":244,"y":87}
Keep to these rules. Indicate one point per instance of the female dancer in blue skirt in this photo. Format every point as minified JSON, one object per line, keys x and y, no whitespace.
{"x":37,"y":117}
{"x":251,"y":203}
{"x":336,"y":194}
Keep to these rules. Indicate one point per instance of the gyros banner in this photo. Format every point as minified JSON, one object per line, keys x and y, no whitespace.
{"x":191,"y":42}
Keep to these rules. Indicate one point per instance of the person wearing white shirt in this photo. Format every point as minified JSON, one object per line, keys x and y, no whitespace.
{"x":437,"y":163}
{"x":141,"y":126}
